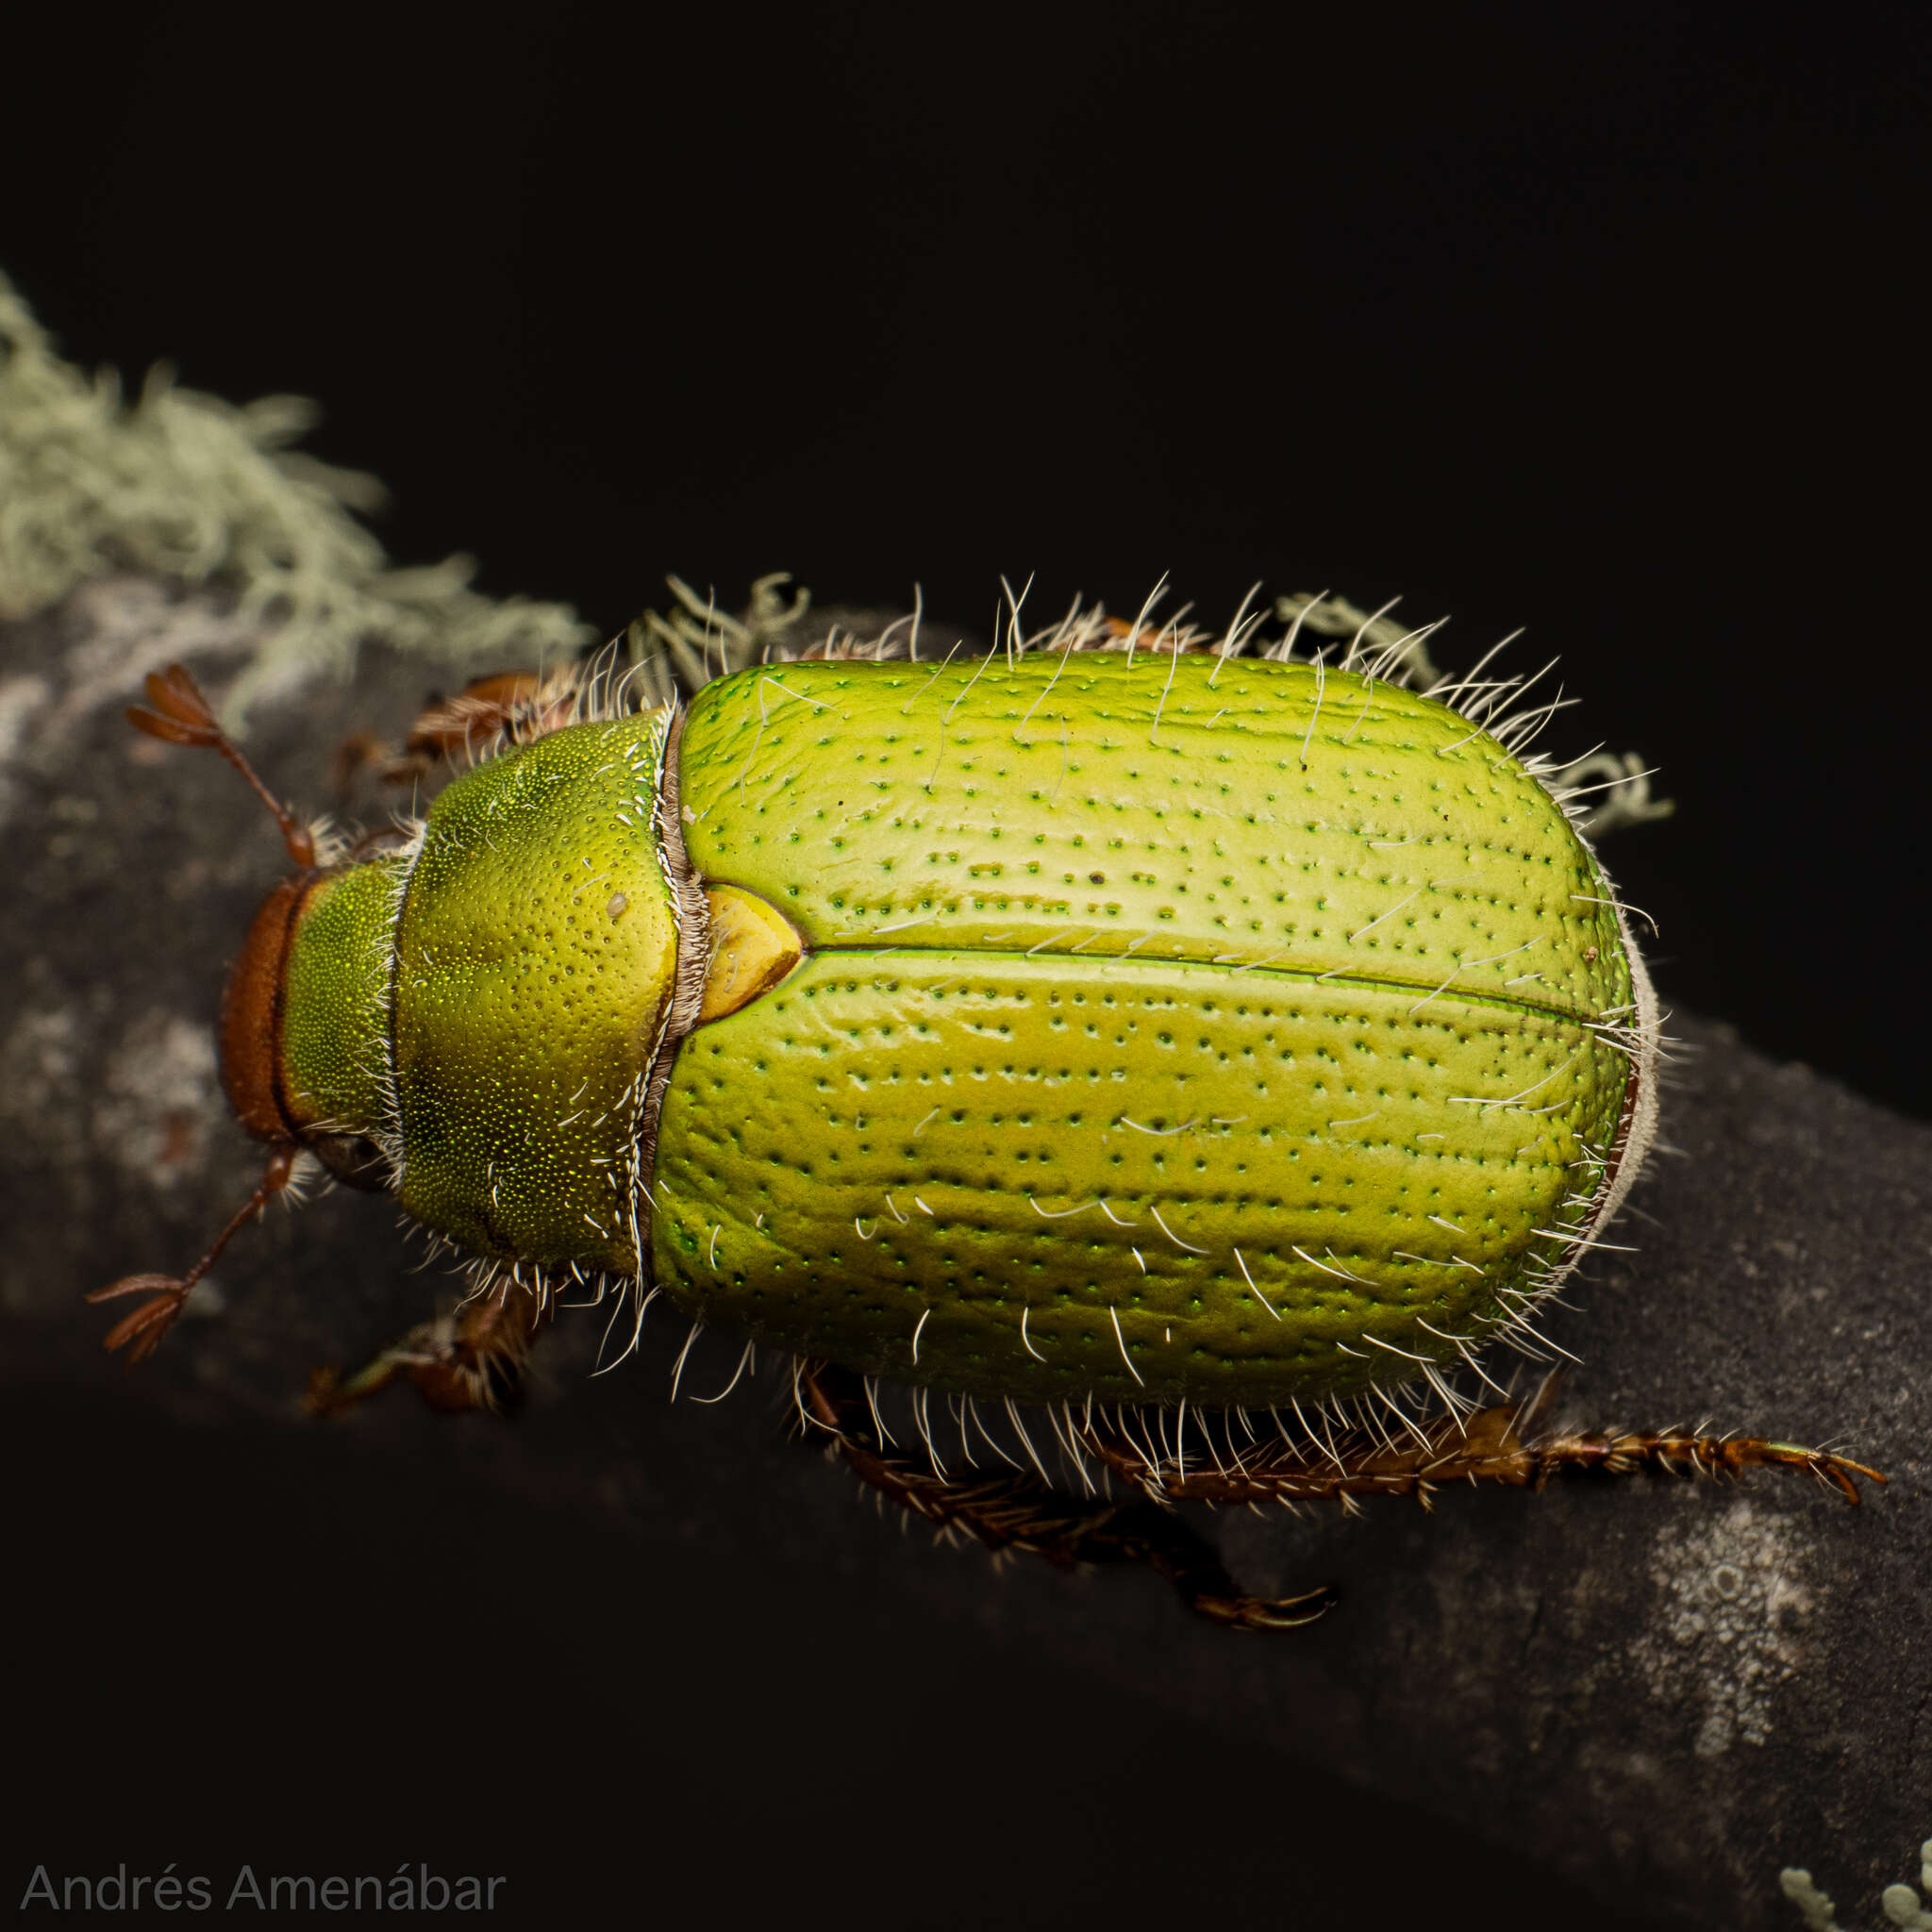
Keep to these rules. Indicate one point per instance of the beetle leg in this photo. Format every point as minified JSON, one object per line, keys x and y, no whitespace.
{"x":1681,"y":1450}
{"x":513,"y":707}
{"x":1019,"y":1513}
{"x":140,"y":1331}
{"x":471,"y":1357}
{"x":1507,"y":1443}
{"x":176,"y":713}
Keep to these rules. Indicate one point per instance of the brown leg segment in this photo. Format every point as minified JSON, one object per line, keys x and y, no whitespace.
{"x":176,"y":713}
{"x":141,"y":1332}
{"x":520,"y":705}
{"x":1019,"y":1513}
{"x":1507,"y":1443}
{"x":470,"y":1359}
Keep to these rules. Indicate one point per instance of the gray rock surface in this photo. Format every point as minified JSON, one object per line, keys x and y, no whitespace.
{"x":1664,"y":1690}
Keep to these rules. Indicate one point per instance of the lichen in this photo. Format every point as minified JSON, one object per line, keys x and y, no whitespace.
{"x":1733,"y":1609}
{"x":188,"y":487}
{"x":1901,"y":1904}
{"x":159,"y":1104}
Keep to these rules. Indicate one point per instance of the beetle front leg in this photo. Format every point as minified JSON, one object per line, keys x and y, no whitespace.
{"x":472,"y":1358}
{"x":1019,"y":1513}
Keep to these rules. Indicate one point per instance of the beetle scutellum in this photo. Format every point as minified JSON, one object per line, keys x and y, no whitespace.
{"x":1131,"y":1028}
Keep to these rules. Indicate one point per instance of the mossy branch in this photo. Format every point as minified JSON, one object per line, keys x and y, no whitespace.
{"x":183,"y":485}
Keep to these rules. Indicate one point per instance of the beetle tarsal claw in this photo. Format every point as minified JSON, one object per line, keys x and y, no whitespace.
{"x":1267,"y":1613}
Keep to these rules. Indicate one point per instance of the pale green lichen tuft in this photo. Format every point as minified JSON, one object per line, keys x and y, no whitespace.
{"x":1902,"y":1905}
{"x":1814,"y":1907}
{"x":185,"y":486}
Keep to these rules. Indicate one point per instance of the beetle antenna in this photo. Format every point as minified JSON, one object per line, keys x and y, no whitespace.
{"x":180,"y":715}
{"x":142,"y":1331}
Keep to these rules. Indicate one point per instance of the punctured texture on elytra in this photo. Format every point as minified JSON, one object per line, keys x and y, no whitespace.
{"x":1178,"y":1028}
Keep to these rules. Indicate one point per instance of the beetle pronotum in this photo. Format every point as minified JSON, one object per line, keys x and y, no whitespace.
{"x":1140,"y":1027}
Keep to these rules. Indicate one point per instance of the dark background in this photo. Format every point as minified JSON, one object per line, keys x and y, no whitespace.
{"x":1596,"y":323}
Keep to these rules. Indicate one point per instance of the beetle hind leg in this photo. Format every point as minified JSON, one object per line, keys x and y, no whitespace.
{"x":1510,"y":1442}
{"x":1686,"y":1452}
{"x":1019,"y":1512}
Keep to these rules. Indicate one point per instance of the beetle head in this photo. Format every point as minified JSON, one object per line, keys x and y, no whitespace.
{"x":251,"y":1005}
{"x":251,"y":1012}
{"x":177,"y":714}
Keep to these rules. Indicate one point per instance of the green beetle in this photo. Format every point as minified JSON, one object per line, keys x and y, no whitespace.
{"x":1106,"y":1026}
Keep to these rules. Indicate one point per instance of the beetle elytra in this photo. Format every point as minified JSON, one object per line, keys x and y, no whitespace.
{"x":1134,"y":1027}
